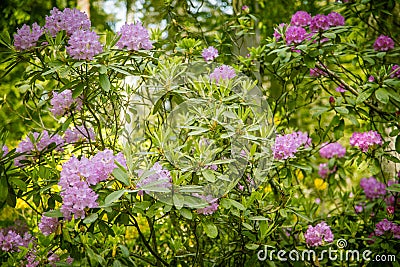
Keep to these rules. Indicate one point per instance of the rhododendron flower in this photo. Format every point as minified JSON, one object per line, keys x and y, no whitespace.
{"x":287,"y":145}
{"x":335,"y":19}
{"x":395,"y":72}
{"x":134,"y":37}
{"x":223,"y":72}
{"x":383,"y":43}
{"x":295,"y":34}
{"x":373,"y":189}
{"x":315,"y":236}
{"x":213,"y":207}
{"x":385,"y":226}
{"x":324,"y":170}
{"x":332,"y":150}
{"x":159,"y":177}
{"x":69,"y":20}
{"x":365,"y":140}
{"x":84,"y":45}
{"x":79,"y":134}
{"x":301,"y":18}
{"x":210,"y":53}
{"x":62,"y":102}
{"x":319,"y":23}
{"x":340,"y":89}
{"x":48,"y":225}
{"x":25,"y":38}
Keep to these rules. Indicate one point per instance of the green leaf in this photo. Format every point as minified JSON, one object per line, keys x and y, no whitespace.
{"x":209,"y":175}
{"x":121,"y":176}
{"x":3,"y":189}
{"x":258,"y":218}
{"x":179,"y":201}
{"x":53,"y":214}
{"x":364,"y":95}
{"x":394,"y":188}
{"x":124,"y":250}
{"x":104,"y":82}
{"x":210,"y":229}
{"x":252,"y":246}
{"x":329,"y":35}
{"x":301,"y":166}
{"x":397,"y":144}
{"x":317,"y":111}
{"x":342,"y":110}
{"x":91,"y":218}
{"x":19,"y":183}
{"x":186,"y":213}
{"x":78,"y":90}
{"x":237,"y":205}
{"x":114,"y":196}
{"x":382,"y":95}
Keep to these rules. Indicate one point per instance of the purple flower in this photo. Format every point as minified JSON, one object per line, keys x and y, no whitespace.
{"x":277,"y":30}
{"x":210,"y":53}
{"x":331,"y":150}
{"x":84,"y":45}
{"x":317,"y":201}
{"x":48,"y":225}
{"x":76,"y":177}
{"x":287,"y":145}
{"x":295,"y":34}
{"x":40,"y":142}
{"x":69,"y":20}
{"x":365,"y":140}
{"x":317,"y":72}
{"x":395,"y":72}
{"x":301,"y":18}
{"x":315,"y":236}
{"x":159,"y":176}
{"x":358,"y":208}
{"x":62,"y":102}
{"x":371,"y":79}
{"x":324,"y":170}
{"x":372,"y":188}
{"x":76,"y":199}
{"x":53,"y":258}
{"x":211,"y":167}
{"x":25,"y":38}
{"x":213,"y":204}
{"x":319,"y":23}
{"x":79,"y":134}
{"x":223,"y":72}
{"x":134,"y":37}
{"x":335,"y":19}
{"x":383,"y":43}
{"x":4,"y":150}
{"x":386,"y":226}
{"x":340,"y":89}
{"x":10,"y":240}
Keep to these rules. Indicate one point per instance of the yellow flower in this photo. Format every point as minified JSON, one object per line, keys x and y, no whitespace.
{"x":299,"y":174}
{"x":320,"y":184}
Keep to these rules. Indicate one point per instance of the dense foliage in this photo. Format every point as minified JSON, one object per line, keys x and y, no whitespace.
{"x":185,"y":150}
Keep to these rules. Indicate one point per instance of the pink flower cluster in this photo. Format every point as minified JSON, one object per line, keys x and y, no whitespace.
{"x":77,"y":176}
{"x":210,"y":53}
{"x":317,"y":72}
{"x":134,"y":37}
{"x":10,"y":240}
{"x":395,"y":72}
{"x":158,"y":177}
{"x":332,"y":150}
{"x":385,"y":227}
{"x":4,"y":150}
{"x":297,"y":31}
{"x":48,"y":225}
{"x":223,"y":72}
{"x":315,"y":236}
{"x":40,"y":142}
{"x":79,"y":134}
{"x":62,"y":102}
{"x":383,"y":43}
{"x":69,"y":20}
{"x":365,"y":140}
{"x":340,"y":89}
{"x":287,"y":145}
{"x":25,"y":38}
{"x":372,"y":188}
{"x":84,"y":45}
{"x":213,"y":207}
